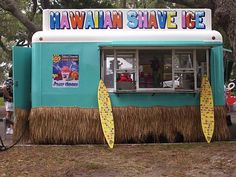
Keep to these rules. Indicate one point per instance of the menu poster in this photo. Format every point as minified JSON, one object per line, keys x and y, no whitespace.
{"x":65,"y":73}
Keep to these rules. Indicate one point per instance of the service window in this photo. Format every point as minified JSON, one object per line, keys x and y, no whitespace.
{"x":184,"y":69}
{"x":154,"y":69}
{"x":202,"y":63}
{"x":108,"y":71}
{"x":125,"y":70}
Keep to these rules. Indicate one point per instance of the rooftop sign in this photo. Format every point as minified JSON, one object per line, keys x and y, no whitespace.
{"x":126,"y":19}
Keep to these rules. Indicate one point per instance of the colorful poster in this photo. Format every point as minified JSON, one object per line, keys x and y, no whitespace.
{"x":65,"y":73}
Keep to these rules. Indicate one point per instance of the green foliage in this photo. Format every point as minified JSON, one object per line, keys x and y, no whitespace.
{"x":12,"y":30}
{"x":78,"y":4}
{"x":1,"y":101}
{"x":152,"y":4}
{"x":3,"y":66}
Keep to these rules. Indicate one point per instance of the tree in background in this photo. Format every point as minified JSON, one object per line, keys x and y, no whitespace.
{"x":17,"y":22}
{"x":29,"y":13}
{"x":20,"y":19}
{"x":224,"y":17}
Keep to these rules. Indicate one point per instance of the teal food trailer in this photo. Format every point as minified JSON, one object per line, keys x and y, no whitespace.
{"x":151,"y":61}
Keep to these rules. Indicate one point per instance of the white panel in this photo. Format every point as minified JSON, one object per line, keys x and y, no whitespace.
{"x":116,"y":36}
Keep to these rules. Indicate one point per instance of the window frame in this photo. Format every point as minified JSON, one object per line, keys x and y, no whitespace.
{"x":191,"y":70}
{"x":135,"y":50}
{"x":153,"y":89}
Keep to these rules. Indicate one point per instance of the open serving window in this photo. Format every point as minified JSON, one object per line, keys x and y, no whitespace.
{"x":154,"y":69}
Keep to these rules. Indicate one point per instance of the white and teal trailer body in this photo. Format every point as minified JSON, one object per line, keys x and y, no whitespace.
{"x":149,"y":59}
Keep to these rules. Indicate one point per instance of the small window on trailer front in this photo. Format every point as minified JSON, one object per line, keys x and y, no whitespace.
{"x":154,"y":70}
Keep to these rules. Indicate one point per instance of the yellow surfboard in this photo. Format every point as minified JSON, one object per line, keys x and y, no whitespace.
{"x":105,"y":112}
{"x":207,"y":109}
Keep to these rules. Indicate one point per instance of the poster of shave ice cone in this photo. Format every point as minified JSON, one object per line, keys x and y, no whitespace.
{"x":65,"y":73}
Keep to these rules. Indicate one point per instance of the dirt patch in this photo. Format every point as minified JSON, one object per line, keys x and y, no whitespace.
{"x":2,"y":111}
{"x":172,"y":160}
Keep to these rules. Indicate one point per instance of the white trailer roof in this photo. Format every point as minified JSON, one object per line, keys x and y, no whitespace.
{"x":116,"y":35}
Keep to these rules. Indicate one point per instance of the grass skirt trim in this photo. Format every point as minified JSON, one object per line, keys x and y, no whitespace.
{"x":21,"y":125}
{"x":69,"y":125}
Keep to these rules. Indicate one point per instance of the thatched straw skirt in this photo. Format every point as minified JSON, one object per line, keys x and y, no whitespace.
{"x":21,"y":125}
{"x":49,"y":125}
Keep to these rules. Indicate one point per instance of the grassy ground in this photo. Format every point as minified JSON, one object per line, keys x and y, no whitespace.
{"x":1,"y":101}
{"x":152,"y":160}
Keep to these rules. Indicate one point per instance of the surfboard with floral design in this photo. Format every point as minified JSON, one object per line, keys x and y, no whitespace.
{"x":106,"y":115}
{"x":207,"y":109}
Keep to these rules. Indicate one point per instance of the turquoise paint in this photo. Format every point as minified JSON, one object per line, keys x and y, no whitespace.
{"x":22,"y":77}
{"x":165,"y":43}
{"x":89,"y":73}
{"x":37,"y":77}
{"x":85,"y":96}
{"x":217,"y":75}
{"x":158,"y":99}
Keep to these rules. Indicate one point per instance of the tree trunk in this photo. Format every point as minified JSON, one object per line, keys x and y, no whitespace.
{"x":224,"y":12}
{"x":12,"y":7}
{"x":45,"y":4}
{"x":123,"y":3}
{"x":4,"y":48}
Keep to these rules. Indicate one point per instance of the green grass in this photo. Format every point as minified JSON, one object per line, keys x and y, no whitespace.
{"x":1,"y":101}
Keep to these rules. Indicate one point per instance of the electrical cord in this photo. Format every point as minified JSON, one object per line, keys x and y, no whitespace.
{"x":2,"y":146}
{"x":5,"y":148}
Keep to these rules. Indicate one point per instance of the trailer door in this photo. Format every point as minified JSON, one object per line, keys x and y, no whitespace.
{"x":22,"y":77}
